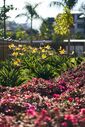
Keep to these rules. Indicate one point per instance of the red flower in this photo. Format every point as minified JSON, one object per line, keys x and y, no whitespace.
{"x":56,"y":96}
{"x":70,"y":99}
{"x":44,"y":112}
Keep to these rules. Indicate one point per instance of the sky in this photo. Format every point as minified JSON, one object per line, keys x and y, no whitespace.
{"x":43,"y":9}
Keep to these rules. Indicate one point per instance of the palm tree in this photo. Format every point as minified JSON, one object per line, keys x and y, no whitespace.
{"x":30,"y":14}
{"x":66,"y":4}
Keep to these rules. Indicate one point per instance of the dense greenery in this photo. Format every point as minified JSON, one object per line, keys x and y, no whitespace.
{"x":27,"y":62}
{"x":64,"y":22}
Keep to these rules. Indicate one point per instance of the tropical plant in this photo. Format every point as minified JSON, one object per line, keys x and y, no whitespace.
{"x":31,"y":14}
{"x":9,"y":75}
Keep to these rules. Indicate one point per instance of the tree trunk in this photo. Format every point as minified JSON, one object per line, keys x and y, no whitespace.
{"x":4,"y":21}
{"x":69,"y":45}
{"x":31,"y":31}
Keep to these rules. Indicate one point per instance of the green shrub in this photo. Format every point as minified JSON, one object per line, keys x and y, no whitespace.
{"x":9,"y":75}
{"x":42,"y":62}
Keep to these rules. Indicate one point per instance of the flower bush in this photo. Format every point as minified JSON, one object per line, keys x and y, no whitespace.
{"x":42,"y":62}
{"x":28,"y":62}
{"x":45,"y":103}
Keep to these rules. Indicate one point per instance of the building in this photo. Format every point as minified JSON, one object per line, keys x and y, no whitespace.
{"x":79,"y":23}
{"x":76,"y":45}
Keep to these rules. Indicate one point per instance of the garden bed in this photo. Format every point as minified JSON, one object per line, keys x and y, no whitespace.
{"x":45,"y":103}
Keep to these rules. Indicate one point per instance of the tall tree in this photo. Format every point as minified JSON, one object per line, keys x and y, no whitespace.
{"x":30,"y":13}
{"x":3,"y":15}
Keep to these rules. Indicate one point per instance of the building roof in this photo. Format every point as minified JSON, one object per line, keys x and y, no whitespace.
{"x":75,"y":40}
{"x":76,"y":12}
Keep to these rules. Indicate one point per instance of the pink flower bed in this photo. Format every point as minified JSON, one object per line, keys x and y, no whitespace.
{"x":45,"y":103}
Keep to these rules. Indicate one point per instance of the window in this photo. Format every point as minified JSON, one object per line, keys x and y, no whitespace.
{"x":80,"y":25}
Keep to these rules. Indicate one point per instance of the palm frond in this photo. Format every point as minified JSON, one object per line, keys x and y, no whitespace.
{"x":22,"y":14}
{"x":65,"y":3}
{"x":70,"y":3}
{"x":36,"y":5}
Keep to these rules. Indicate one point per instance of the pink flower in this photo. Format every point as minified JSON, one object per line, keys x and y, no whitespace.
{"x":48,"y":104}
{"x":47,"y":118}
{"x":64,"y":124}
{"x":77,"y":99}
{"x":31,"y":112}
{"x":82,"y":112}
{"x":82,"y":120}
{"x":71,"y":118}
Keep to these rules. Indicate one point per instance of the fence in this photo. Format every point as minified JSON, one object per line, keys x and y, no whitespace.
{"x":77,"y":45}
{"x":4,"y":46}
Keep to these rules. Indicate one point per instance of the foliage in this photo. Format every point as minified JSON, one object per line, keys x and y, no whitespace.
{"x":42,"y":62}
{"x":65,"y":3}
{"x":35,"y":34}
{"x":9,"y":34}
{"x":3,"y":16}
{"x":64,"y":22}
{"x":45,"y":103}
{"x":7,"y":9}
{"x":46,"y":29}
{"x":21,"y":35}
{"x":9,"y":75}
